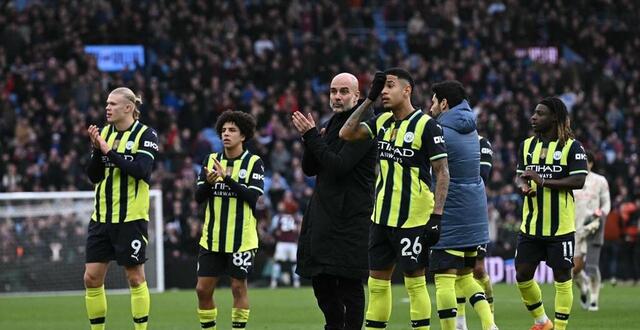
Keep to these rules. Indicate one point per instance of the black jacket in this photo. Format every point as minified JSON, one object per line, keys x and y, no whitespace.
{"x":335,"y":227}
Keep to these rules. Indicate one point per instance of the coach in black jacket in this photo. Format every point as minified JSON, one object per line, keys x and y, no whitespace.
{"x":332,"y":249}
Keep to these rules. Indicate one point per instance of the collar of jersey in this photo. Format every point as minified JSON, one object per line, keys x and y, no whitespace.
{"x":134,"y":125}
{"x":244,"y":154}
{"x":408,"y":117}
{"x":544,"y":143}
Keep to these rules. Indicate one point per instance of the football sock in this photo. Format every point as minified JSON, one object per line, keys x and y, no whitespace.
{"x":594,"y":283}
{"x":208,"y":318}
{"x":379,"y":309}
{"x":140,"y":302}
{"x":461,"y":321}
{"x":532,"y":298}
{"x":96,"y":302}
{"x":485,"y":283}
{"x":239,"y":318}
{"x":563,"y":302}
{"x":419,"y":302}
{"x":477,"y":299}
{"x":446,"y":300}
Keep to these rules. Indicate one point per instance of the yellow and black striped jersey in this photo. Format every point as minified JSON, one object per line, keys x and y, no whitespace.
{"x":122,"y":176}
{"x":405,"y":148}
{"x":229,"y":220}
{"x":551,"y":212}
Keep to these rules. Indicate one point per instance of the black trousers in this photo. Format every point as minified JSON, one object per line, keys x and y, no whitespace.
{"x":341,"y":301}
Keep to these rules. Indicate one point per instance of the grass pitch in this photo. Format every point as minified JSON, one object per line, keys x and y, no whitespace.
{"x":295,"y":309}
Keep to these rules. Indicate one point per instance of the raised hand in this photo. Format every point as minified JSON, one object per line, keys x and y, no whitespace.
{"x":93,"y":133}
{"x":218,"y":169}
{"x":97,"y":141}
{"x":302,"y":123}
{"x":377,"y":84}
{"x":211,"y":176}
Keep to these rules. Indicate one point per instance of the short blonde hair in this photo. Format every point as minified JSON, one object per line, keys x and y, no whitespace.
{"x":129,"y":95}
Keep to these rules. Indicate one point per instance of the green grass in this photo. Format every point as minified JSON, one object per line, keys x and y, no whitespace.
{"x":285,"y":309}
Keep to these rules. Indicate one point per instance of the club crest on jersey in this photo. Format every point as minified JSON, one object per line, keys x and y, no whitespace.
{"x":129,"y":145}
{"x":242,"y":174}
{"x":557,"y":155}
{"x":408,"y":137}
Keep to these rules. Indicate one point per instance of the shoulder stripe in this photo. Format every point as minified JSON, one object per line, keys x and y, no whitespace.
{"x":438,"y":156}
{"x":578,"y":172}
{"x":146,"y":153}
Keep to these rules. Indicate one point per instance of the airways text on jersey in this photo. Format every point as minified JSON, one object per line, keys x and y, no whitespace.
{"x":221,"y":189}
{"x":394,"y":153}
{"x":547,"y":171}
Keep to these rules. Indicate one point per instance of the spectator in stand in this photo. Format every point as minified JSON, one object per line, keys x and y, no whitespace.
{"x":50,"y":87}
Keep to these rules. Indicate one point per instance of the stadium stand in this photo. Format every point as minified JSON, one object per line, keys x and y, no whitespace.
{"x":270,"y":58}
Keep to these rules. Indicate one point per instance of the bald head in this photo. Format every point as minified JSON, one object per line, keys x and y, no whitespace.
{"x":345,"y":79}
{"x":344,"y":92}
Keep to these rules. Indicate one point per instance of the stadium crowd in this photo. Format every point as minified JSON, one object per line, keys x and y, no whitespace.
{"x":270,"y":58}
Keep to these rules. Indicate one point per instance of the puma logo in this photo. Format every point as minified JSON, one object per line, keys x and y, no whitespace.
{"x":244,"y":268}
{"x":435,"y":227}
{"x":568,"y":259}
{"x":135,"y":256}
{"x":414,"y":258}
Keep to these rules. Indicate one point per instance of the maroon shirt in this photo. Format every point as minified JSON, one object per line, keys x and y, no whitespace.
{"x":287,"y":227}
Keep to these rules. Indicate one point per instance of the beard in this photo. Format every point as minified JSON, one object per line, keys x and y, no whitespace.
{"x":344,"y":107}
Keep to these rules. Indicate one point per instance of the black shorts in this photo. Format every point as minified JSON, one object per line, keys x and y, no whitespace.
{"x":483,"y":251}
{"x":453,"y":258}
{"x":214,"y":264}
{"x":557,"y":252}
{"x":124,"y":242}
{"x":404,"y":245}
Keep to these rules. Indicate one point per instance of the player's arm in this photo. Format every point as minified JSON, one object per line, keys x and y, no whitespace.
{"x":298,"y":219}
{"x":441,"y":171}
{"x":95,"y":170}
{"x":433,"y":139}
{"x":274,"y":224}
{"x":336,"y":163}
{"x":354,"y":129}
{"x":605,"y":198}
{"x":203,"y":187}
{"x":486,"y":159}
{"x":252,"y":192}
{"x":142,"y":165}
{"x":577,"y":166}
{"x":522,"y":183}
{"x":572,"y":182}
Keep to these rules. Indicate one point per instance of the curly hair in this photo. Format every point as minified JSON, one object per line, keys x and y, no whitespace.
{"x":245,"y":122}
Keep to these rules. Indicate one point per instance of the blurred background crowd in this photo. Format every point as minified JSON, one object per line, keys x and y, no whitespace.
{"x":271,"y":58}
